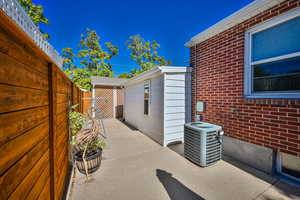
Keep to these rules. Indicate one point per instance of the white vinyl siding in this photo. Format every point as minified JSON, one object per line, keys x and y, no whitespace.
{"x":151,"y":124}
{"x":169,"y":108}
{"x":175,"y":107}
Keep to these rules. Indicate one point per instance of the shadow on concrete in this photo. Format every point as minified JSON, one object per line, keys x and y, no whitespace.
{"x":289,"y":190}
{"x":175,"y":189}
{"x":128,"y":125}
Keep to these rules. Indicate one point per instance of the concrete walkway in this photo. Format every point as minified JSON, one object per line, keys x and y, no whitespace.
{"x":136,"y":168}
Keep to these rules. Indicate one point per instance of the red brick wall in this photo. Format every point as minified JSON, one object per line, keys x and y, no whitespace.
{"x":218,"y":64}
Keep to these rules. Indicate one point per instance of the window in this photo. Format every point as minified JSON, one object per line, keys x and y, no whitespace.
{"x":288,"y":165}
{"x":272,"y":58}
{"x":146,"y":97}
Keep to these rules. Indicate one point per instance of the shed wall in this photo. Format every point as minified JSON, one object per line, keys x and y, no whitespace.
{"x":177,"y":105}
{"x":152,"y":124}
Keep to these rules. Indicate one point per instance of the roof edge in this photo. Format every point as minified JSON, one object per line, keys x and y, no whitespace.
{"x":157,"y":71}
{"x":237,"y":17}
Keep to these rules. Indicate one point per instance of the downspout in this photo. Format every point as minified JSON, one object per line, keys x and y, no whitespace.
{"x":195,"y":78}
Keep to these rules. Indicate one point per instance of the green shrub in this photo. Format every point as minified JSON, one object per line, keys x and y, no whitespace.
{"x":76,"y":119}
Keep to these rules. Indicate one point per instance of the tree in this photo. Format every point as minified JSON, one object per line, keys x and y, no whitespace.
{"x":36,"y":13}
{"x":145,"y":54}
{"x":92,"y":58}
{"x":68,"y":59}
{"x":92,"y":54}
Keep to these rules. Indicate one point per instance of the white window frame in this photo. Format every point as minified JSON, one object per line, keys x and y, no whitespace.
{"x":279,"y":167}
{"x":248,"y":81}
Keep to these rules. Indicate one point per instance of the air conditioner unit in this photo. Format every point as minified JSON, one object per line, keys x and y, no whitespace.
{"x":203,"y":143}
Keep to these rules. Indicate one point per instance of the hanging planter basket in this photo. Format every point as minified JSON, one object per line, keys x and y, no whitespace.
{"x":93,"y":161}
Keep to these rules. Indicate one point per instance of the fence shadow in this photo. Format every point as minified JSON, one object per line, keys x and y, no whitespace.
{"x":175,"y":189}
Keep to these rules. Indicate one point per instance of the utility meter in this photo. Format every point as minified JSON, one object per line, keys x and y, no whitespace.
{"x":200,"y":106}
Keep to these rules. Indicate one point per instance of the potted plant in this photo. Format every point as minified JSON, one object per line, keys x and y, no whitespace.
{"x":87,"y":142}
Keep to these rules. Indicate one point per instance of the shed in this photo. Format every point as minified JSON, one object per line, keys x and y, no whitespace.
{"x":158,"y":103}
{"x":108,"y":97}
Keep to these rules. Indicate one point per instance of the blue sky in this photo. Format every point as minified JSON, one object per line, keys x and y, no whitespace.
{"x":170,"y":22}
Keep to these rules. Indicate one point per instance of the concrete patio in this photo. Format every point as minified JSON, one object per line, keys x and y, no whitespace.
{"x":134,"y":167}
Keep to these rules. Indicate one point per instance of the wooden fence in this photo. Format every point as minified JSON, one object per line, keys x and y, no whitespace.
{"x":35,"y":96}
{"x":86,"y":101}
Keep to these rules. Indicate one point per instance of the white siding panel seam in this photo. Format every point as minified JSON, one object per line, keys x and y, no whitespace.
{"x":174,"y":86}
{"x":174,"y":133}
{"x":169,"y":79}
{"x":174,"y":112}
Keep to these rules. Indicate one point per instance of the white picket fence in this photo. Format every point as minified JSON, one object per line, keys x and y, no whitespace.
{"x":14,"y":10}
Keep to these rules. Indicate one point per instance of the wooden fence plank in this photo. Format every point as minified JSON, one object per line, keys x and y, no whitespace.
{"x":16,"y":49}
{"x":13,"y":150}
{"x":40,"y":183}
{"x":18,"y":74}
{"x":16,"y":98}
{"x":62,"y":180}
{"x":52,"y":131}
{"x":45,"y":193}
{"x":9,"y":181}
{"x":62,"y":98}
{"x":25,"y":187}
{"x":61,"y":117}
{"x":62,"y":83}
{"x":16,"y":123}
{"x":62,"y":107}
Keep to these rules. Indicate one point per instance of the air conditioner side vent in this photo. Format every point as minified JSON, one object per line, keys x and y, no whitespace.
{"x":202,"y":145}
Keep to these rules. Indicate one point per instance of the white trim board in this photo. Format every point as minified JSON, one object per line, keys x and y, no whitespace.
{"x":154,"y":72}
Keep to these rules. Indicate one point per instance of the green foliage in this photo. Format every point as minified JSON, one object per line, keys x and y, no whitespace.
{"x":145,"y":54}
{"x":36,"y":13}
{"x":92,"y":57}
{"x":68,"y":59}
{"x":76,"y":119}
{"x":131,"y":74}
{"x":95,"y":144}
{"x":92,"y":54}
{"x":82,"y":76}
{"x":125,"y":75}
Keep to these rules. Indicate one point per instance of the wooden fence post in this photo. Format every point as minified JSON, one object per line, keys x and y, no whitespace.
{"x":52,"y":127}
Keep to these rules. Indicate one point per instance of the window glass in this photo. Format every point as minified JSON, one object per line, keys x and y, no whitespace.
{"x":282,"y":75}
{"x":276,"y":41}
{"x":146,"y":98}
{"x":290,"y":165}
{"x":146,"y":106}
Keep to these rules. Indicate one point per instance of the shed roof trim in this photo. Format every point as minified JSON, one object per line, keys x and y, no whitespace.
{"x":239,"y":16}
{"x":157,"y":71}
{"x":107,"y":81}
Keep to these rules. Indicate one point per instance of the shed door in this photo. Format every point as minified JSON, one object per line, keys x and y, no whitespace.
{"x":104,"y":102}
